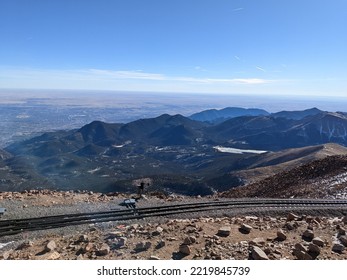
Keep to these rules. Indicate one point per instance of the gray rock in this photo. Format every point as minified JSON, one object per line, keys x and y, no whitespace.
{"x":158,"y":231}
{"x":290,"y":225}
{"x":50,"y":246}
{"x":121,"y":241}
{"x":281,"y":235}
{"x":308,"y":234}
{"x":301,"y":255}
{"x":104,"y":250}
{"x":337,"y":247}
{"x":160,"y":244}
{"x":185,"y":249}
{"x":115,"y":234}
{"x":258,"y":254}
{"x":143,"y":246}
{"x":189,"y":240}
{"x":258,"y":241}
{"x":300,"y":247}
{"x":313,"y":248}
{"x":343,"y":240}
{"x":83,"y":238}
{"x":246,"y":228}
{"x":25,"y":245}
{"x":292,"y":217}
{"x":341,"y":231}
{"x":224,"y":231}
{"x":318,"y":241}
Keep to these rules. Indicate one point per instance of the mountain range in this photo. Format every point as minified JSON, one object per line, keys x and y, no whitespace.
{"x":179,"y":154}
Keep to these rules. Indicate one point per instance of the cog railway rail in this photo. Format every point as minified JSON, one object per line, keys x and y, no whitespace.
{"x":12,"y":227}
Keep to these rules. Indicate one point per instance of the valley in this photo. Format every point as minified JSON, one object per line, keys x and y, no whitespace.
{"x":177,"y":154}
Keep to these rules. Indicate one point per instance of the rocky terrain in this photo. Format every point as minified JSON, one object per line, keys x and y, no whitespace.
{"x":322,"y":178}
{"x":236,"y":234}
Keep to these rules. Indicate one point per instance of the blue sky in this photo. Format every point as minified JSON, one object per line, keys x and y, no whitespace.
{"x":296,"y":47}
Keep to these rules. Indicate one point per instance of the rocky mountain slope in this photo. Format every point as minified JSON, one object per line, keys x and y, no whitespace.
{"x":259,"y":167}
{"x":322,"y":178}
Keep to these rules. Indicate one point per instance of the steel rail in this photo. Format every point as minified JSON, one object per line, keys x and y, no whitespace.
{"x":10,"y":227}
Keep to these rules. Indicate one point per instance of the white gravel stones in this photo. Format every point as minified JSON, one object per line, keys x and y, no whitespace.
{"x":52,"y":256}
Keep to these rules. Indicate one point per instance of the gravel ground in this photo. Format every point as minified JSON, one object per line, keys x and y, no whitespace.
{"x":28,"y":208}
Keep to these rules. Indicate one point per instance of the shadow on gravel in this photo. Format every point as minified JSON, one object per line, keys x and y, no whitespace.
{"x":307,"y":239}
{"x":243,"y":231}
{"x":178,"y":256}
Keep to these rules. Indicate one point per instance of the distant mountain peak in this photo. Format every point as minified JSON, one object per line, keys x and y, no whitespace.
{"x":218,"y":116}
{"x":297,"y":115}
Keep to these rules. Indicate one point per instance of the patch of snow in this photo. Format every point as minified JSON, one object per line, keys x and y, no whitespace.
{"x":333,"y":181}
{"x":3,"y":245}
{"x":338,"y":179}
{"x":122,"y":145}
{"x":94,"y":170}
{"x":118,"y":146}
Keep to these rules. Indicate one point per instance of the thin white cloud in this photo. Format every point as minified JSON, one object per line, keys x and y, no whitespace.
{"x":199,"y":68}
{"x":238,"y":9}
{"x":252,"y":81}
{"x":140,"y":75}
{"x":260,"y":68}
{"x":123,"y":80}
{"x":237,"y":58}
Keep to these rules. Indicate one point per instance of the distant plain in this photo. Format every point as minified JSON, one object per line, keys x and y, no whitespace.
{"x":26,"y":113}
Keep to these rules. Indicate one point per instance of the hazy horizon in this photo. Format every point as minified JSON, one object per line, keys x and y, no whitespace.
{"x":187,"y":102}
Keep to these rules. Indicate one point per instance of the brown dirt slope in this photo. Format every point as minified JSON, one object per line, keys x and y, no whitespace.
{"x":322,"y":178}
{"x":274,"y":162}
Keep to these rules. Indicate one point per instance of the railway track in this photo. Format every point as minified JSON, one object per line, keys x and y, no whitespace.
{"x":12,"y":227}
